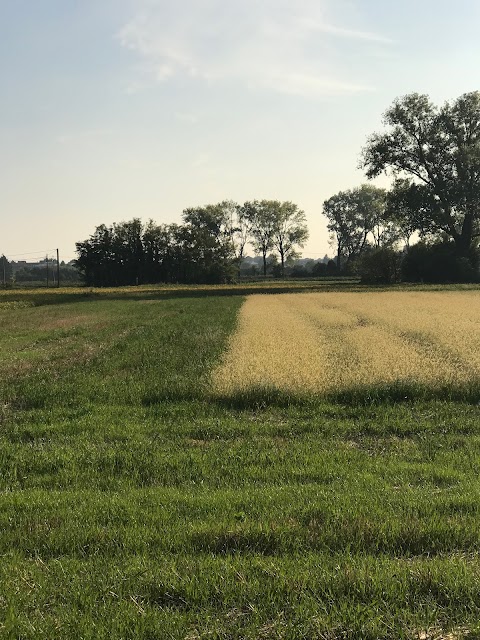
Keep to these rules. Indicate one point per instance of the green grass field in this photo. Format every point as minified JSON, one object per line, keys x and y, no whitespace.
{"x":135,"y":503}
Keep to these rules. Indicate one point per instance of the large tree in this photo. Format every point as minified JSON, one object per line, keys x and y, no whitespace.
{"x":132,"y":253}
{"x":436,"y":152}
{"x":208,"y":241}
{"x":290,"y":230}
{"x":352,"y":217}
{"x":163,"y":259}
{"x":129,"y":254}
{"x":97,"y":261}
{"x":239,"y":230}
{"x":261,"y":221}
{"x":275,"y":225}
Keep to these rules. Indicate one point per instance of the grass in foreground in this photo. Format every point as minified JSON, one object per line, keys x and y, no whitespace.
{"x":134,"y":504}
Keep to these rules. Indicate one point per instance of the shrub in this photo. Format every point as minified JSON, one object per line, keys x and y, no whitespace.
{"x":439,"y":262}
{"x":379,"y":266}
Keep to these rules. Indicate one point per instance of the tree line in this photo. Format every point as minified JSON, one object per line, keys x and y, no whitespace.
{"x":208,"y":247}
{"x":425,"y":227}
{"x":433,"y":155}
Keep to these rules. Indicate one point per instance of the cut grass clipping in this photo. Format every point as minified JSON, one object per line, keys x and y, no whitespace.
{"x":137,"y":505}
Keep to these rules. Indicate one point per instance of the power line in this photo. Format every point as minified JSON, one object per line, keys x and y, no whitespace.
{"x":45,"y":258}
{"x":30,"y":253}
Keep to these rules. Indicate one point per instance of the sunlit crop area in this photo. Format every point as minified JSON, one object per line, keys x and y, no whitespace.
{"x":323,"y":342}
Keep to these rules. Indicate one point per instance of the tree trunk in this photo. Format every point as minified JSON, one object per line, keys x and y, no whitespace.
{"x":463,"y":242}
{"x":240,"y":260}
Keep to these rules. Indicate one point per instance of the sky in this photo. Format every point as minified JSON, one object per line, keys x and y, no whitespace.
{"x":114,"y":109}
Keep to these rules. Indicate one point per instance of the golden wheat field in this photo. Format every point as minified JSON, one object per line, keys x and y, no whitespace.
{"x":322,"y":342}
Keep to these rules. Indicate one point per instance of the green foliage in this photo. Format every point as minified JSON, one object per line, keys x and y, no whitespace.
{"x":354,"y":216}
{"x":276,"y":225}
{"x":129,"y":253}
{"x":260,"y":216}
{"x":380,"y":266}
{"x":113,"y":255}
{"x":436,"y":153}
{"x":408,"y":206}
{"x":439,"y":262}
{"x":208,"y":248}
{"x":290,"y":230}
{"x":324,"y":269}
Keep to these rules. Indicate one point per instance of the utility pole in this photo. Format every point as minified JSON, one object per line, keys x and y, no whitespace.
{"x":4,"y":273}
{"x":58,"y":270}
{"x":46,"y":262}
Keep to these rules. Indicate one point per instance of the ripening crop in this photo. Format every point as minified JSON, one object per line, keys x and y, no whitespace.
{"x":314,"y":342}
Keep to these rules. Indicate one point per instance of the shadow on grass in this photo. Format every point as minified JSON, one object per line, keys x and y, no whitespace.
{"x":367,"y":395}
{"x":259,"y":398}
{"x":41,"y":297}
{"x":52,"y":297}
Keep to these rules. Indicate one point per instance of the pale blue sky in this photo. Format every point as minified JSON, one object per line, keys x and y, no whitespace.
{"x":112,"y":109}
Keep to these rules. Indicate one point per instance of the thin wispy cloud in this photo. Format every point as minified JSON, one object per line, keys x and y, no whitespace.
{"x":350,"y":34}
{"x":288,"y":46}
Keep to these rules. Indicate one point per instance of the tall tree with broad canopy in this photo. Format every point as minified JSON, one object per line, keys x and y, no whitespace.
{"x":261,"y":223}
{"x":241,"y":235}
{"x":352,"y":217}
{"x":275,"y":225}
{"x":290,"y":230}
{"x":436,"y":153}
{"x":97,"y":258}
{"x":209,"y":240}
{"x":407,"y":208}
{"x":162,"y":256}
